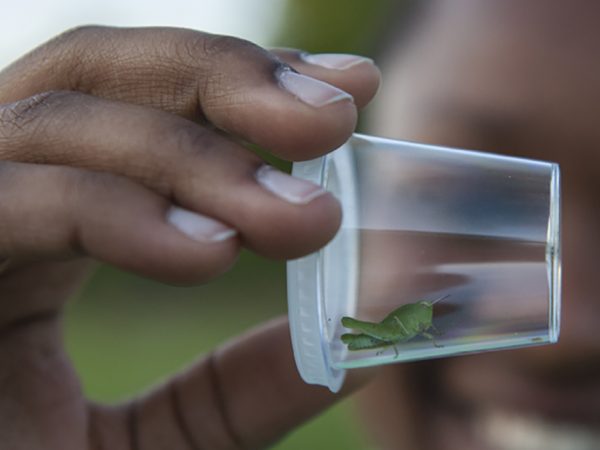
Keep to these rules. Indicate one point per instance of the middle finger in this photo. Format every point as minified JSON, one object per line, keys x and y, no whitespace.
{"x":277,"y":215}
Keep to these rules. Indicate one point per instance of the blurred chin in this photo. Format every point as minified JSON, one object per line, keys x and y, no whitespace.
{"x":498,"y":429}
{"x":471,"y":403}
{"x":504,"y":430}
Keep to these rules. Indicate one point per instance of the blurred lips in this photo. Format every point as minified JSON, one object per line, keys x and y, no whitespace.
{"x":485,"y":403}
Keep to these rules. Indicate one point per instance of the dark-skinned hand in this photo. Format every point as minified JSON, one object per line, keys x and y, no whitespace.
{"x":124,"y":146}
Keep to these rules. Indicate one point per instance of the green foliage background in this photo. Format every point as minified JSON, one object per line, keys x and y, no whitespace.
{"x":337,"y":26}
{"x":126,"y":333}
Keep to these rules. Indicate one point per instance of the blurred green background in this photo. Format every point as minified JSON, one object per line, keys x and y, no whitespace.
{"x":126,"y":333}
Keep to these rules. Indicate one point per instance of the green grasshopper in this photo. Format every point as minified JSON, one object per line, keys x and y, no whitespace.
{"x":401,"y":325}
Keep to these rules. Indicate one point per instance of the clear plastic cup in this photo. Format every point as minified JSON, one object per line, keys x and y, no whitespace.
{"x":474,"y":235}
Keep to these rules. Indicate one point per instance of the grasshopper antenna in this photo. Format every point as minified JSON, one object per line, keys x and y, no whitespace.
{"x":439,"y":299}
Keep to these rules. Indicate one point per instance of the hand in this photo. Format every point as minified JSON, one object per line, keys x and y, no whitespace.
{"x":122,"y":145}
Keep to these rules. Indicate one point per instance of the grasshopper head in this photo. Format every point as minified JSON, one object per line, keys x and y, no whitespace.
{"x":430,"y":304}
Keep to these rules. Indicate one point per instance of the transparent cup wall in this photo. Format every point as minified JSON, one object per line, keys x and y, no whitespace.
{"x":475,"y":233}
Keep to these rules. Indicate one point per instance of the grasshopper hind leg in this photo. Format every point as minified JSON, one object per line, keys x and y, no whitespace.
{"x":396,"y":353}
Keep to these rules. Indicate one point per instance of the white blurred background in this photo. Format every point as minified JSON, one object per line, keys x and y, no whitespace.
{"x":27,"y":23}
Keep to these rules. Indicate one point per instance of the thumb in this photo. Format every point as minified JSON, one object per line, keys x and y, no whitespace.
{"x":246,"y":395}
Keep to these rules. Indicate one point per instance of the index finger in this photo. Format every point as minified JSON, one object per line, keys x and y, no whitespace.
{"x":233,"y":84}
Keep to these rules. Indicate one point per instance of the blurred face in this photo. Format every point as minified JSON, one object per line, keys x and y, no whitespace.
{"x":520,"y":78}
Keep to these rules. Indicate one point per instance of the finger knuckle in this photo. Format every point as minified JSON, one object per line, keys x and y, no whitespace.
{"x":72,"y":47}
{"x":185,"y":142}
{"x":214,"y":49}
{"x":77,"y":52}
{"x":226,"y":65}
{"x":190,"y":139}
{"x":212,"y":46}
{"x":79,"y":33}
{"x":21,"y":122}
{"x":98,"y":184}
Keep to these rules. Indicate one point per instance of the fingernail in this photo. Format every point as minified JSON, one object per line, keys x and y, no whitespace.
{"x":198,"y":227}
{"x":339,"y":61}
{"x":310,"y":90}
{"x":287,"y":187}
